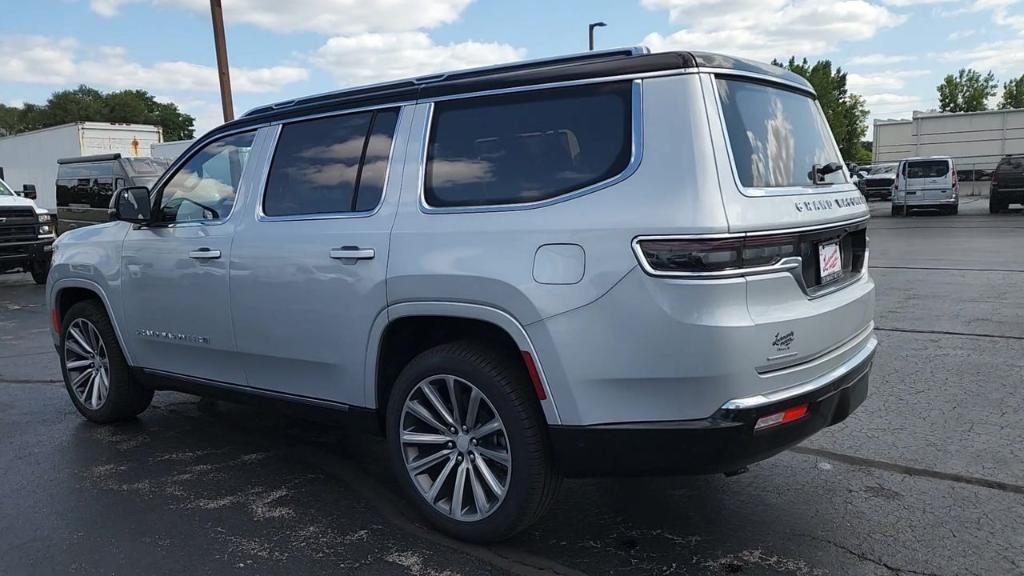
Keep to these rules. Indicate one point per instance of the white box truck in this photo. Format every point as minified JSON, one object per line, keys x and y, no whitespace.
{"x":31,"y":157}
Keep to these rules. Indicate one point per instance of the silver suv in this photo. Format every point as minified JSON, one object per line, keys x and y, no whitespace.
{"x":610,"y":263}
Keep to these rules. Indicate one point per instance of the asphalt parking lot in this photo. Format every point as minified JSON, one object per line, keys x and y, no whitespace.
{"x":927,"y":478}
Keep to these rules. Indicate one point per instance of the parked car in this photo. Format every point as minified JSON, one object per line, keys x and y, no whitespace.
{"x":86,"y":184}
{"x":878,"y":181}
{"x":926,"y":183}
{"x":1007,"y":185}
{"x":26,"y":233}
{"x":598,"y":264}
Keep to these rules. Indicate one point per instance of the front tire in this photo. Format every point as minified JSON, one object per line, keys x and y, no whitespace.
{"x":95,"y":371}
{"x":39,"y":269}
{"x":995,"y":207}
{"x":467,"y":440}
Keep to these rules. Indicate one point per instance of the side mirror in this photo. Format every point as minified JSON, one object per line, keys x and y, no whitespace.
{"x":133,"y":205}
{"x":29,"y":191}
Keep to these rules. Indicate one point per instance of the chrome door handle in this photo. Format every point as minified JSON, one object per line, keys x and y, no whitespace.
{"x":204,"y":254}
{"x":352,"y":253}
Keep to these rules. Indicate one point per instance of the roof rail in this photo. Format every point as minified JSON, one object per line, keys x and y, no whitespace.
{"x":93,"y":158}
{"x":414,"y":83}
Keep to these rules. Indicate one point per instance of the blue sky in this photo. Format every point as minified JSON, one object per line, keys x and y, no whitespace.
{"x":895,"y":50}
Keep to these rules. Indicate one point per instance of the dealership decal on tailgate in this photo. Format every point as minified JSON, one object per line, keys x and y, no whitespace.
{"x":830,"y":261}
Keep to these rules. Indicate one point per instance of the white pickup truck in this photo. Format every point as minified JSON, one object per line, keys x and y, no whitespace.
{"x":27,"y":233}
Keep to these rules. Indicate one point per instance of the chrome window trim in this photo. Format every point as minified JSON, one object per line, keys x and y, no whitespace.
{"x":265,"y":175}
{"x":766,"y":191}
{"x":636,"y":156}
{"x":157,"y":191}
{"x":341,"y":111}
{"x":862,"y":356}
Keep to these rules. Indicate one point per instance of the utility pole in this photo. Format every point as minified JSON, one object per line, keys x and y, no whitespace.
{"x":590,"y":30}
{"x":222,"y":60}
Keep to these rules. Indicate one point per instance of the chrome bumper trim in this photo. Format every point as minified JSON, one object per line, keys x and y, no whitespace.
{"x":822,"y":381}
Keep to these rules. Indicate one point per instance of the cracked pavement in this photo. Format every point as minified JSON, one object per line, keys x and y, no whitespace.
{"x":926,"y":478}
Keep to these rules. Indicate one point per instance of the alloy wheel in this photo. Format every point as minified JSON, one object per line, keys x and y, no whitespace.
{"x":455,"y":447}
{"x":87,"y":364}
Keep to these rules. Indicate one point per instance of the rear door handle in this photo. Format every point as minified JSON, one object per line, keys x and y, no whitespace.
{"x":204,"y":254}
{"x":352,"y":253}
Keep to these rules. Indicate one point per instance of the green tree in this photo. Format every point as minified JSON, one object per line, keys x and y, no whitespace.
{"x":846,"y":113}
{"x":1013,"y":94}
{"x":968,"y":91}
{"x":85,"y":104}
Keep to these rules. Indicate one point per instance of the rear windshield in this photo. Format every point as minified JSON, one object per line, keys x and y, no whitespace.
{"x":886,"y":169}
{"x":927,"y":169}
{"x":4,"y":190}
{"x":1011,"y":163}
{"x":86,"y":170}
{"x":777,"y":136}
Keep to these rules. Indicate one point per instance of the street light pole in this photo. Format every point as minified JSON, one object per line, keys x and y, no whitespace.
{"x":222,"y":60}
{"x":591,"y":31}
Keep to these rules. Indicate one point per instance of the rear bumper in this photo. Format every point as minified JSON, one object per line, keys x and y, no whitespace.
{"x":723,"y":442}
{"x":20,"y":254}
{"x":1008,"y":196}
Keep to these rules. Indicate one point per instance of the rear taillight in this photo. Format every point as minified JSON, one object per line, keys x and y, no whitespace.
{"x":995,"y":178}
{"x":785,"y":417}
{"x":709,"y":256}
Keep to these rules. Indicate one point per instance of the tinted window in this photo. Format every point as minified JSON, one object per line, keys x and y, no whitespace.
{"x":527,"y":147}
{"x":1011,"y":163}
{"x":86,"y":170}
{"x":776,"y":135}
{"x":204,"y":188}
{"x":319,"y":165}
{"x":927,"y":169}
{"x":145,"y":166}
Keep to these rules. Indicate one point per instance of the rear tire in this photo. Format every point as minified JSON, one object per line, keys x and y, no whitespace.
{"x":96,"y":374}
{"x":527,"y":482}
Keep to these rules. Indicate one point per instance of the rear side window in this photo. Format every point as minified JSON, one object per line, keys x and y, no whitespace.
{"x":529,"y":146}
{"x":330,"y":165}
{"x":777,"y":136}
{"x":86,"y":170}
{"x":927,"y":169}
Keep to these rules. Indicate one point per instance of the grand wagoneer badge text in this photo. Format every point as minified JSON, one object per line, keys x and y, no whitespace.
{"x":173,"y":337}
{"x":829,"y":203}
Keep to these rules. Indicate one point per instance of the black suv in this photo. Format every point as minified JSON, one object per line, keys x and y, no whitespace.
{"x":85,"y":185}
{"x":1007,"y":183}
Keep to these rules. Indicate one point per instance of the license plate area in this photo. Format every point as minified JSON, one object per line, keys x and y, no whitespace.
{"x":830,"y":261}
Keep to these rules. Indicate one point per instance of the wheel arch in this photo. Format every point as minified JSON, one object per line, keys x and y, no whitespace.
{"x":68,"y":292}
{"x":380,"y":377}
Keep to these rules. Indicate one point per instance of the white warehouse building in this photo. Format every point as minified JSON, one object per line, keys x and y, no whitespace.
{"x":975,"y":140}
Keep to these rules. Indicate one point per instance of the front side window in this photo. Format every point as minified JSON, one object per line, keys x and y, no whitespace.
{"x":927,"y":169}
{"x":205,"y":187}
{"x":777,"y":135}
{"x":330,"y":165}
{"x":528,"y":146}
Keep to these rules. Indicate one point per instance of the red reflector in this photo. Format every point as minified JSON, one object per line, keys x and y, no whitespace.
{"x":531,"y":368}
{"x":784,"y":417}
{"x":55,"y":321}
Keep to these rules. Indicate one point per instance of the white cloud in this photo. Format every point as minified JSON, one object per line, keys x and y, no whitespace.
{"x":41,"y":60}
{"x":766,"y":29}
{"x":881,"y":82}
{"x":961,"y":34}
{"x":878,"y":59}
{"x":324,"y":16}
{"x":902,"y":3}
{"x":1004,"y":58}
{"x":366,"y":58}
{"x":36,"y":59}
{"x":1001,"y":12}
{"x":883,"y":101}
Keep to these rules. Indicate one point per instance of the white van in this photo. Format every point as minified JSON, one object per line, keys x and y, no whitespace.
{"x":925,"y":183}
